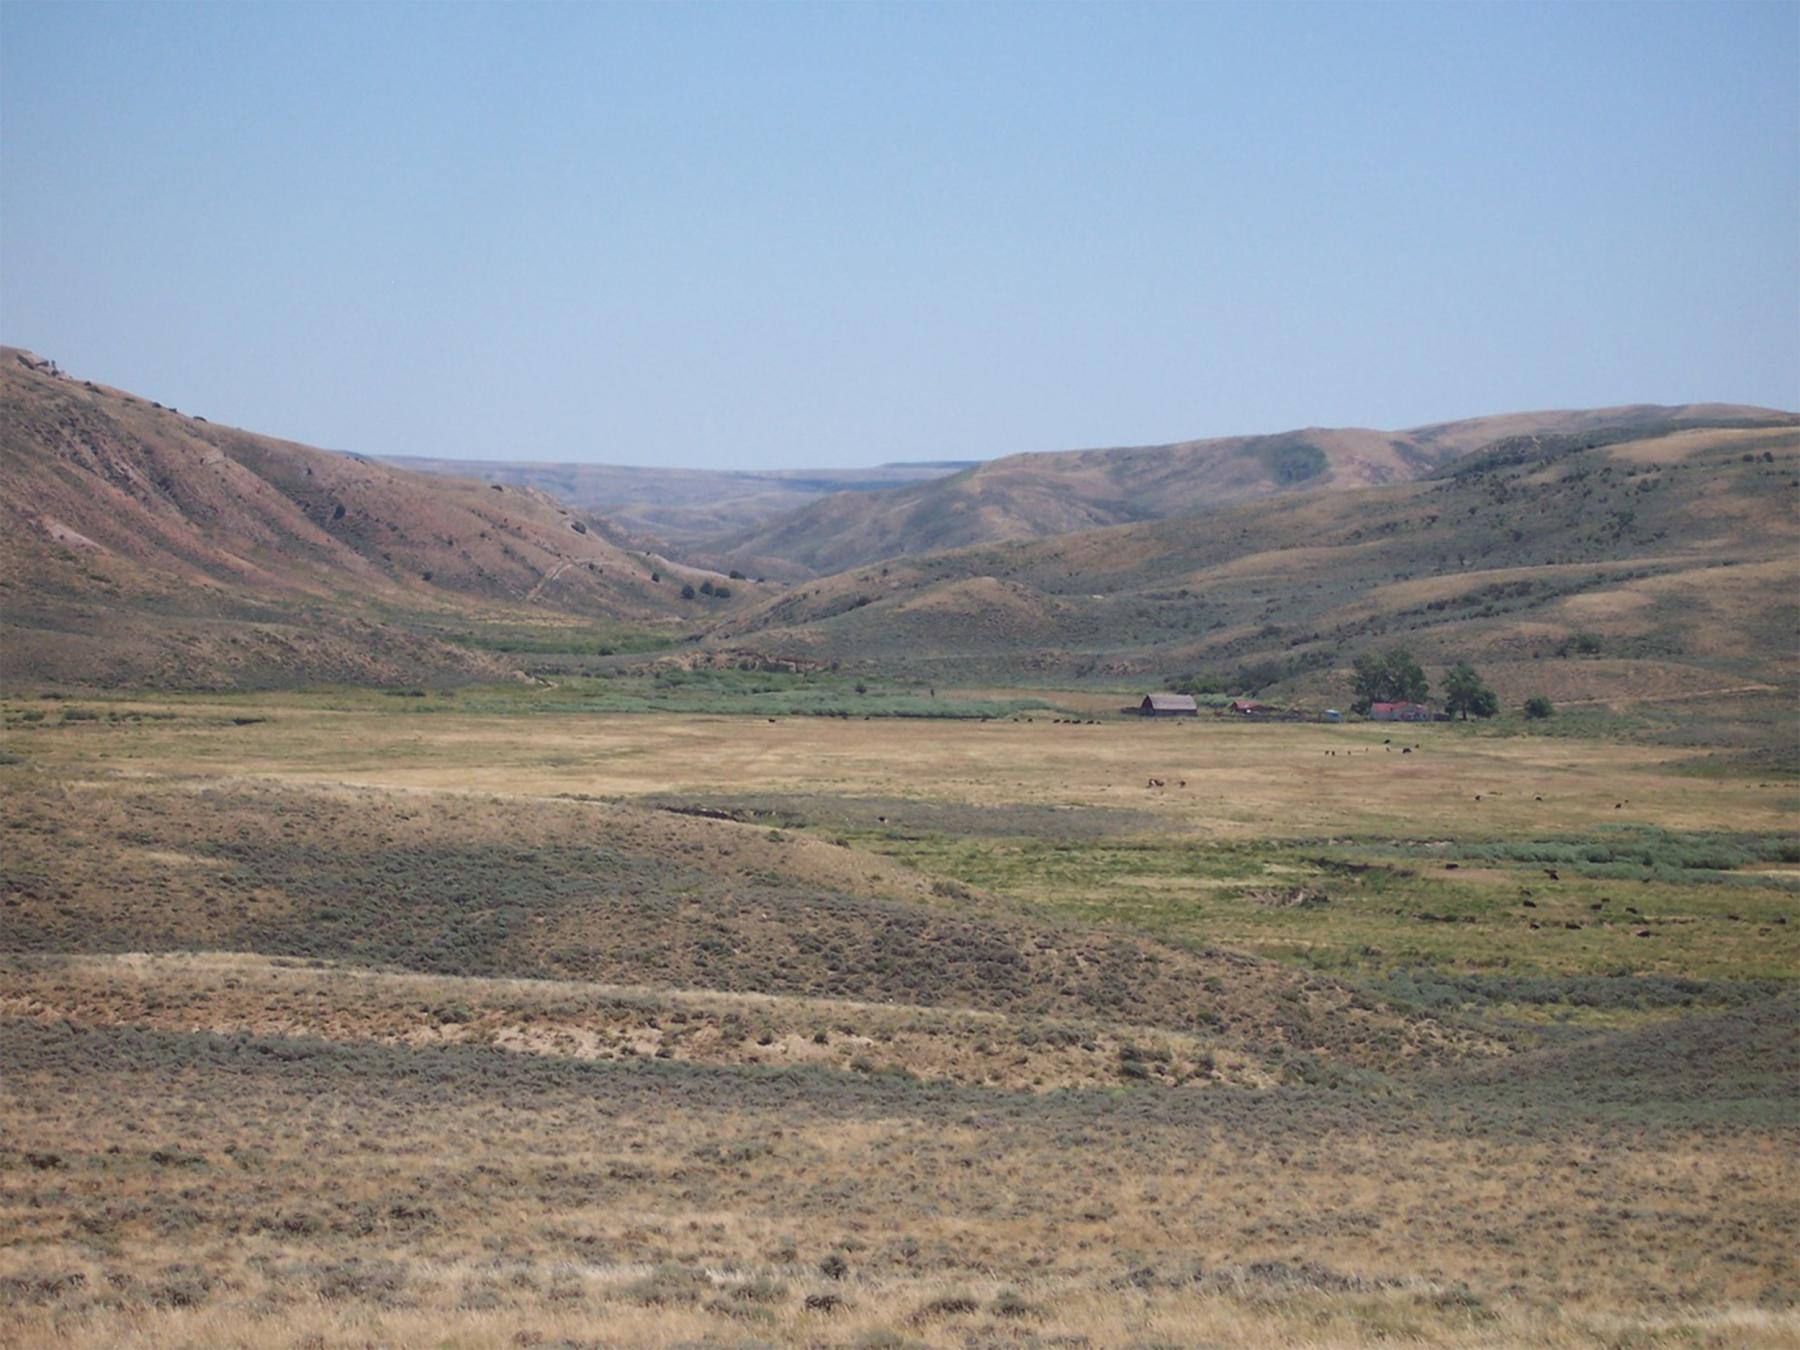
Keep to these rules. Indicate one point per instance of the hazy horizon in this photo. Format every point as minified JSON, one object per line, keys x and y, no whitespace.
{"x":808,"y":236}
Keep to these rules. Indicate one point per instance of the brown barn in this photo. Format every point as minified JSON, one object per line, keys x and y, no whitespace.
{"x":1166,"y":705}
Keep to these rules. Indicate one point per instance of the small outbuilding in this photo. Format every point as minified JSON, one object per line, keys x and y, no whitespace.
{"x":1166,"y":705}
{"x":1248,"y":707}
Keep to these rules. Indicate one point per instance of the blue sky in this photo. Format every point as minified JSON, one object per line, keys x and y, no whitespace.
{"x":782,"y":235}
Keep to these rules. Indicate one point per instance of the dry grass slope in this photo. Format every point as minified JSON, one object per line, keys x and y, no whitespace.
{"x":142,"y":545}
{"x":1625,"y":562}
{"x":1032,"y":496}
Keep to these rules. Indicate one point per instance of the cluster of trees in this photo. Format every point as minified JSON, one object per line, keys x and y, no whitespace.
{"x":1389,"y":677}
{"x":706,"y":588}
{"x":1394,"y":677}
{"x":1464,"y":693}
{"x":1250,"y":678}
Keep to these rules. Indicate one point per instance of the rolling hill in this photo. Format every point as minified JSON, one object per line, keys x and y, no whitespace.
{"x":545,"y":889}
{"x":1651,"y":558}
{"x":140,"y":544}
{"x":1587,"y":553}
{"x":1031,"y":496}
{"x":684,"y":507}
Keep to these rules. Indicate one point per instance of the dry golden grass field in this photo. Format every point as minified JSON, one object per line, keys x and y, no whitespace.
{"x":343,"y":1019}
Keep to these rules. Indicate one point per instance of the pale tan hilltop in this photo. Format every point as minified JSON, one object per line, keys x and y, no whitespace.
{"x":1030,"y":496}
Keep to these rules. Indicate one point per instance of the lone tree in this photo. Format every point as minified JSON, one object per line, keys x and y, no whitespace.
{"x":1464,"y":693}
{"x":1389,"y":677}
{"x":1538,"y":707}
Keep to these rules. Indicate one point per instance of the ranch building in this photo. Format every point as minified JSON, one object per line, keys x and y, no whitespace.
{"x":1399,"y":712}
{"x":1166,"y":705}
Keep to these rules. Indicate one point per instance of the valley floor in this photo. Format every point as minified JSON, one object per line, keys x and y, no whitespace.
{"x":334,"y":1021}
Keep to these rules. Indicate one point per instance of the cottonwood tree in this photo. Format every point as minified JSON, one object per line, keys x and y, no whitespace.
{"x":1389,"y":677}
{"x":1464,"y":693}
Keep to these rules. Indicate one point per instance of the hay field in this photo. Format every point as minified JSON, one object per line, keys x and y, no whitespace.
{"x":338,"y":1020}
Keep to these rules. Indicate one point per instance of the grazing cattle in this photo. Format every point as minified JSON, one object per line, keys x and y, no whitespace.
{"x":1597,"y":906}
{"x":1406,"y":749}
{"x":1529,"y":904}
{"x":1154,"y":782}
{"x":1551,"y":873}
{"x":1571,"y":924}
{"x":1537,"y":799}
{"x":1182,"y":783}
{"x":1642,"y":932}
{"x":1536,"y":924}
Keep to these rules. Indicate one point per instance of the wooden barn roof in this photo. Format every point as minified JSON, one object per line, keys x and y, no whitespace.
{"x":1170,"y":702}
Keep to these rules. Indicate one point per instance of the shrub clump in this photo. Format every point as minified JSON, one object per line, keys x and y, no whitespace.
{"x":1011,"y":1303}
{"x":668,"y":1286}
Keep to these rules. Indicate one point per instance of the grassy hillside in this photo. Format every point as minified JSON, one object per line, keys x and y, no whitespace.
{"x":1648,"y":560}
{"x":140,"y":544}
{"x":1035,"y":495}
